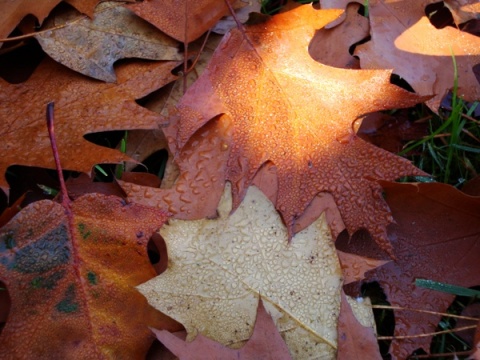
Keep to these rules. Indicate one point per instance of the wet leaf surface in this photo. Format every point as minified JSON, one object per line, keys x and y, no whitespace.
{"x":82,"y":106}
{"x":71,"y":280}
{"x":436,"y":236}
{"x":218,"y":268}
{"x":265,"y":343}
{"x":298,"y":114}
{"x":90,"y":47}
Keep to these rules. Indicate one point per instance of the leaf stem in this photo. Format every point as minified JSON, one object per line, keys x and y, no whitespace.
{"x":51,"y":134}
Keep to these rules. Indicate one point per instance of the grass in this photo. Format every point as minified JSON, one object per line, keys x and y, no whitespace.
{"x":451,"y":150}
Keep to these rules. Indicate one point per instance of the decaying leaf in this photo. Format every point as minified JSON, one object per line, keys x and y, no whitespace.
{"x":264,"y":344}
{"x":71,"y":280}
{"x":298,"y":114}
{"x":218,"y":268}
{"x":183,"y":20}
{"x":92,"y":46}
{"x":436,"y":236}
{"x":83,"y":106}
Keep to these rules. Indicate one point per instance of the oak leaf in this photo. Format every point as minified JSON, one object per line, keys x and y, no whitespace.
{"x":83,"y":106}
{"x":265,"y":343}
{"x":427,"y":246}
{"x":14,"y":11}
{"x":183,"y":20}
{"x":402,"y":35}
{"x":92,"y":46}
{"x":288,"y":109}
{"x":71,"y":277}
{"x":218,"y":269}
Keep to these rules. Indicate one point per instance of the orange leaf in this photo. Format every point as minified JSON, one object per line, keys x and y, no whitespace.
{"x":183,"y":20}
{"x":83,"y":106}
{"x":288,"y":109}
{"x":71,"y":280}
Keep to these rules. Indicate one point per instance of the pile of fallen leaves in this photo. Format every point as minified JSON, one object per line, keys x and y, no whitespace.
{"x":272,"y":211}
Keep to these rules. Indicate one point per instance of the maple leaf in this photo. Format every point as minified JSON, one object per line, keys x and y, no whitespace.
{"x":218,"y":268}
{"x":83,"y":106}
{"x":92,"y":46}
{"x":265,"y":343}
{"x":184,"y":20}
{"x":71,"y":280}
{"x":423,"y":238}
{"x":402,"y":37}
{"x":288,"y":109}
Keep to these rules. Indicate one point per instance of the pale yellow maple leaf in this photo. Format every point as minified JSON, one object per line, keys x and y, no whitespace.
{"x":218,"y":268}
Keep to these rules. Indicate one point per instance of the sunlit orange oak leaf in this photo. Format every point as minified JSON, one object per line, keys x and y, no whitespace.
{"x":403,"y":39}
{"x":298,"y":114}
{"x":82,"y":105}
{"x":181,"y":19}
{"x":436,"y":236}
{"x":72,"y":280}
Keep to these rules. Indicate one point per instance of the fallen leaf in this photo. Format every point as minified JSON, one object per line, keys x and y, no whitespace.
{"x":92,"y":46}
{"x":265,"y":343}
{"x":218,"y":268}
{"x":463,"y":10}
{"x":423,"y":237}
{"x":402,"y":35}
{"x":71,"y":280}
{"x":82,"y":105}
{"x":331,"y":46}
{"x":183,"y":20}
{"x":298,"y":114}
{"x":14,"y":11}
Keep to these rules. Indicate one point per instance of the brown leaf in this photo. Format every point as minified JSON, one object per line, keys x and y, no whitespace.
{"x":92,"y":46}
{"x":71,"y":280}
{"x":331,"y":46}
{"x":436,"y":236}
{"x":14,"y":11}
{"x":82,"y":106}
{"x":463,"y":10}
{"x":183,"y":20}
{"x":265,"y":343}
{"x":402,"y":35}
{"x":298,"y":114}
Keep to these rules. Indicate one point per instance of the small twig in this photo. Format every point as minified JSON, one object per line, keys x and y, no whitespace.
{"x":388,"y":307}
{"x":429,"y":356}
{"x":51,"y":134}
{"x":27,"y":36}
{"x":463,"y":115}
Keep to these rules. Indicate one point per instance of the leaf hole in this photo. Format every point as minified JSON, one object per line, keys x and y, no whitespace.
{"x":157,"y":253}
{"x":401,"y":82}
{"x":439,"y":15}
